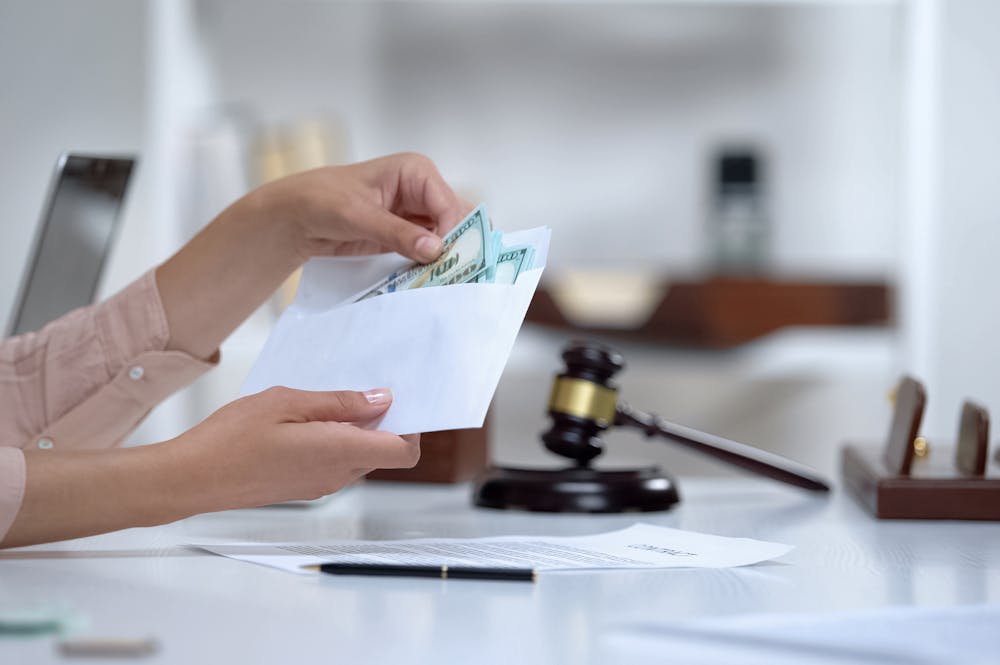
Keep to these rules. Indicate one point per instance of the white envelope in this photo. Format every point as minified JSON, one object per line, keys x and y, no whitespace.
{"x":440,"y":349}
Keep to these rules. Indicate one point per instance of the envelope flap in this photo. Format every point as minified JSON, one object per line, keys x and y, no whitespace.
{"x":440,"y":349}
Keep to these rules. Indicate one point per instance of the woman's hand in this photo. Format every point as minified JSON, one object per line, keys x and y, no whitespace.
{"x":283,"y":444}
{"x":398,"y":203}
{"x":277,"y":445}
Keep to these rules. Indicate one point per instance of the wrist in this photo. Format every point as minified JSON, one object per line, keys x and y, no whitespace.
{"x":273,"y":222}
{"x":167,"y":493}
{"x":278,"y":215}
{"x":186,"y":484}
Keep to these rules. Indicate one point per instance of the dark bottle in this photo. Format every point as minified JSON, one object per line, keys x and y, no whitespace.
{"x":739,"y":228}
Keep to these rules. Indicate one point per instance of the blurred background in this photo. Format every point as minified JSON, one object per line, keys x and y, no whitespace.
{"x":773,"y":209}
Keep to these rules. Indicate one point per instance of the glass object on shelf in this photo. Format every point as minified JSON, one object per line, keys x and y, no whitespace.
{"x":307,"y":142}
{"x":738,"y":225}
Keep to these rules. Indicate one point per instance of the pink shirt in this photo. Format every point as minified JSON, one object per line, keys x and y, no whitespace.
{"x":85,"y":381}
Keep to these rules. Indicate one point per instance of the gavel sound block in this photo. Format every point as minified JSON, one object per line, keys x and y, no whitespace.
{"x":958,"y":483}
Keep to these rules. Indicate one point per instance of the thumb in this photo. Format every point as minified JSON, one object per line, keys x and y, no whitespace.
{"x":407,"y":238}
{"x":340,"y":406}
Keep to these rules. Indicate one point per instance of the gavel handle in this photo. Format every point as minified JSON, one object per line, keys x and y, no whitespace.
{"x":731,"y":452}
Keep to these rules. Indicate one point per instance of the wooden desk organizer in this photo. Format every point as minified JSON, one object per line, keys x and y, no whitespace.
{"x":958,"y":483}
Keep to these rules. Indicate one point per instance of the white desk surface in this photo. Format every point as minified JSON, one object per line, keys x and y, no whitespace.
{"x":207,"y":609}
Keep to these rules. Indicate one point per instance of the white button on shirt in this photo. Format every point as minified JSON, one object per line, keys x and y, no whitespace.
{"x":45,"y":444}
{"x":136,"y":373}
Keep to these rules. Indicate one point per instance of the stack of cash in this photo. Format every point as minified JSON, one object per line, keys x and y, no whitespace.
{"x":473,"y":253}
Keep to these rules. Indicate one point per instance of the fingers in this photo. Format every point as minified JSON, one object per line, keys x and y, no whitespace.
{"x":331,"y":406}
{"x":364,"y":449}
{"x":411,"y":240}
{"x":424,"y":192}
{"x":420,"y":195}
{"x":414,"y":209}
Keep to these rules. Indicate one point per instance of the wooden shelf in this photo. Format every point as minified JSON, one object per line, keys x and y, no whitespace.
{"x":722,"y":312}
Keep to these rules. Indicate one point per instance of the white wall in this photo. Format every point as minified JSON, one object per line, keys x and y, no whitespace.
{"x":957,"y":267}
{"x":597,"y":118}
{"x":72,"y":77}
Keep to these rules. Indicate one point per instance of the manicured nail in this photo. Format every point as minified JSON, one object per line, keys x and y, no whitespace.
{"x":378,"y":396}
{"x":429,"y":247}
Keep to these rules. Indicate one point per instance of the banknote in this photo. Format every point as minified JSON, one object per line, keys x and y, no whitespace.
{"x":473,"y":253}
{"x":511,"y":262}
{"x":469,"y":249}
{"x":496,"y":242}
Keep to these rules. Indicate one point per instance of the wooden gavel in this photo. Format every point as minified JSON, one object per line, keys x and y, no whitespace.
{"x":584,"y":402}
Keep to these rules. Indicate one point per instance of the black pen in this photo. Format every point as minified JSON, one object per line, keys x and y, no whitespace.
{"x":443,"y":572}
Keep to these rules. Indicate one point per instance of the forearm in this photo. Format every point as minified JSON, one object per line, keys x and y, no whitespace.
{"x":73,"y":494}
{"x":224,"y":273}
{"x":398,"y":203}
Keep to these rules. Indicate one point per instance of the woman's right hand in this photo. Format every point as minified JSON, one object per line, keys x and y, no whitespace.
{"x":283,"y":444}
{"x":277,"y":445}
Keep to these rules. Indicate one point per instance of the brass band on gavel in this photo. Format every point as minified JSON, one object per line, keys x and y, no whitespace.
{"x":583,"y":399}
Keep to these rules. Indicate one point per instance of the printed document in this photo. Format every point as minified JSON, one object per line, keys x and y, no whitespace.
{"x":638,"y":546}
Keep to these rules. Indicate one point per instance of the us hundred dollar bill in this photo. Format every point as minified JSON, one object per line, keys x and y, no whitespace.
{"x":511,"y":262}
{"x":473,"y":253}
{"x":469,"y":250}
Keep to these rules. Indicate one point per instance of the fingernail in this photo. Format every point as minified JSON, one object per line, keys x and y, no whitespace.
{"x":429,"y":247}
{"x":378,"y":396}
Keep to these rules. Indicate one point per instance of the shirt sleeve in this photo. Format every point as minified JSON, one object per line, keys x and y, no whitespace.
{"x":85,"y":381}
{"x":12,"y":476}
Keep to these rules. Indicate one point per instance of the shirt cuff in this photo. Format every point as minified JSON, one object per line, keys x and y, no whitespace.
{"x":12,"y":477}
{"x":104,"y":419}
{"x":131,"y":322}
{"x":131,"y":328}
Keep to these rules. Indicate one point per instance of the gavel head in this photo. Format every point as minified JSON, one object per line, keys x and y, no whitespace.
{"x":583,"y":401}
